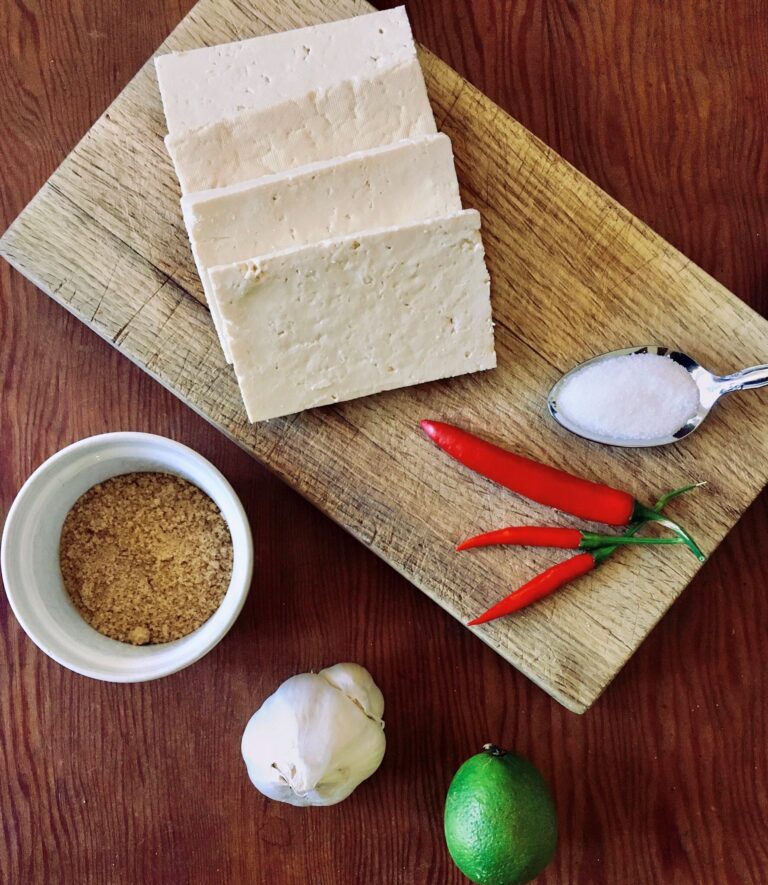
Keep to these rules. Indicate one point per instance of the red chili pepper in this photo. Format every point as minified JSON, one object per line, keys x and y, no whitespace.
{"x":547,"y":485}
{"x":567,"y":539}
{"x":542,"y":585}
{"x":559,"y":575}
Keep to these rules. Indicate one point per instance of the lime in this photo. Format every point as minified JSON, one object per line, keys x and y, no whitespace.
{"x":500,"y":822}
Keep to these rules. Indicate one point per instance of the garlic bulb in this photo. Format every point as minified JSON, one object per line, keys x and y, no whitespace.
{"x":317,"y":737}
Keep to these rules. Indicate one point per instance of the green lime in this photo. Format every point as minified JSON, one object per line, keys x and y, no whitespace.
{"x":500,"y":821}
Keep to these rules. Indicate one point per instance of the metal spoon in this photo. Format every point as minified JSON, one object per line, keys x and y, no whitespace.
{"x":711,"y":389}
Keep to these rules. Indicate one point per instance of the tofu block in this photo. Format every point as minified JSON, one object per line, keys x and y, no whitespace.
{"x":204,"y":85}
{"x":354,"y":115}
{"x":358,"y":315}
{"x":408,"y":181}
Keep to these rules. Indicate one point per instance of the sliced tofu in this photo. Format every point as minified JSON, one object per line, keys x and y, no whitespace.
{"x":353,"y":115}
{"x":358,"y":315}
{"x":408,"y":181}
{"x":204,"y":85}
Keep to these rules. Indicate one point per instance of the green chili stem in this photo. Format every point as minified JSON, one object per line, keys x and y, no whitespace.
{"x":654,"y":514}
{"x":648,"y":514}
{"x":592,"y":541}
{"x":665,"y":499}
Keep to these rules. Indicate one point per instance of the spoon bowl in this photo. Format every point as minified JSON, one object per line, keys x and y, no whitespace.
{"x":711,"y":388}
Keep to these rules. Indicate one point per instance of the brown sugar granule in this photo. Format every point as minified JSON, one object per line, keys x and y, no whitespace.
{"x":145,"y":557}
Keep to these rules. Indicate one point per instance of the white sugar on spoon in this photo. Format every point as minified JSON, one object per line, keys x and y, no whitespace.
{"x":642,"y":396}
{"x":632,"y":396}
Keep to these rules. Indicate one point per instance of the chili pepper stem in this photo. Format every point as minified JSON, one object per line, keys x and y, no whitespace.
{"x":665,"y":499}
{"x":591,"y":541}
{"x":648,"y":514}
{"x":602,"y":553}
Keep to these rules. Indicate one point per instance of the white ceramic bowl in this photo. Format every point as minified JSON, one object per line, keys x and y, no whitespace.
{"x":30,"y":556}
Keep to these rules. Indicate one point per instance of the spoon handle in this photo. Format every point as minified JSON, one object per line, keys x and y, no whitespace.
{"x":746,"y":379}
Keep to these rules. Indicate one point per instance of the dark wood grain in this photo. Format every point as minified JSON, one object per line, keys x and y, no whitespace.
{"x":664,"y":780}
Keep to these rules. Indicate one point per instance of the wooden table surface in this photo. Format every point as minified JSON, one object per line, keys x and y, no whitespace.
{"x":664,"y":780}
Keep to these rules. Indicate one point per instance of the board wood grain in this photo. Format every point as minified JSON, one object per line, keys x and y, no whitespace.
{"x":573,"y":274}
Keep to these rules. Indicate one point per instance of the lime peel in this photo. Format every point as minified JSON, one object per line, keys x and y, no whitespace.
{"x":500,"y":819}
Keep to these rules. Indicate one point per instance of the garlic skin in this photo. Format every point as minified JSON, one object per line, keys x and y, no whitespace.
{"x":317,"y":737}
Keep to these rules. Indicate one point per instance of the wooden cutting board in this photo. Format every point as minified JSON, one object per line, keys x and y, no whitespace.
{"x":573,"y":274}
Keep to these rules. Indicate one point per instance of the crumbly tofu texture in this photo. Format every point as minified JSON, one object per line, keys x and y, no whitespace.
{"x":354,"y":115}
{"x":358,"y":315}
{"x":202,"y":86}
{"x":408,"y":181}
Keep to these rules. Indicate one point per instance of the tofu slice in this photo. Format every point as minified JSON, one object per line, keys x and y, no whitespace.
{"x":204,"y":85}
{"x":408,"y":181}
{"x":354,"y":115}
{"x":358,"y":315}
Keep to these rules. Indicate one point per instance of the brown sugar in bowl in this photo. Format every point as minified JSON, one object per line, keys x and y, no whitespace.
{"x":145,"y":557}
{"x":29,"y":556}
